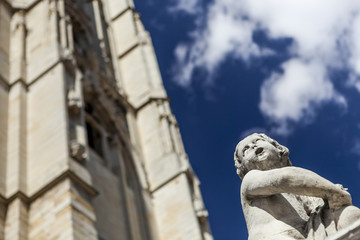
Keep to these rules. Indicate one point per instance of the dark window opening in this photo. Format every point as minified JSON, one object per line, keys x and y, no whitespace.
{"x":122,"y":115}
{"x":94,"y":139}
{"x":88,"y":108}
{"x":80,"y":38}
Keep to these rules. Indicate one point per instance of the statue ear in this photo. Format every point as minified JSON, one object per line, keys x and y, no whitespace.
{"x":240,"y":174}
{"x":285,"y":156}
{"x":237,"y":162}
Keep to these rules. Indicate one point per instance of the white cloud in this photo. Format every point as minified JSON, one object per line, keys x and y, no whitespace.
{"x":326,"y":37}
{"x":356,"y":147}
{"x":226,"y":34}
{"x":294,"y":93}
{"x":250,"y":131}
{"x":187,"y":6}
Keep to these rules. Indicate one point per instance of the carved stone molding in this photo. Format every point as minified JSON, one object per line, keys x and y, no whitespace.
{"x":78,"y":151}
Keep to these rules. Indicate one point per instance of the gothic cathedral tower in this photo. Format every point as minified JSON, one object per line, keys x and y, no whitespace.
{"x":89,"y":148}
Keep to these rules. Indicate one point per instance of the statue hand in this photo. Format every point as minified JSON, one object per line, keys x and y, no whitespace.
{"x":343,"y":198}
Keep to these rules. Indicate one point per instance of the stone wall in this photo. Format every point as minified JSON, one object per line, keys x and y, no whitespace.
{"x":112,"y":221}
{"x":3,"y":136}
{"x":63,"y":212}
{"x":47,"y":141}
{"x":173,"y":204}
{"x":5,"y":16}
{"x":4,"y":76}
{"x":42,"y":46}
{"x":89,"y":147}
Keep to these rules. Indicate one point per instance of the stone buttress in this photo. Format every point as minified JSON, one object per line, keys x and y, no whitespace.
{"x":89,"y":147}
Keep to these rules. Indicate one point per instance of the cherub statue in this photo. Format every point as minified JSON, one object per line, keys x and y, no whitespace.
{"x":282,"y":202}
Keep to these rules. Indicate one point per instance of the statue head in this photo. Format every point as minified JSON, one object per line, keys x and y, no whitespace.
{"x":258,"y":151}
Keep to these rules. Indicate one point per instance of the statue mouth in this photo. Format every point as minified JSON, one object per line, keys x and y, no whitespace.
{"x":259,"y":150}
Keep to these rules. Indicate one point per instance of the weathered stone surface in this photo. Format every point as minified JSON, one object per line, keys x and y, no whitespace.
{"x":89,"y":147}
{"x":352,"y":232}
{"x":285,"y":202}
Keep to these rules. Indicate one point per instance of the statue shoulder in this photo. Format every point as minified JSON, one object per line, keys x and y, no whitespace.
{"x":249,"y":180}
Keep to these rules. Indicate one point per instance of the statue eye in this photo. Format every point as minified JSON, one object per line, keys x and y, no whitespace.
{"x":245,"y":148}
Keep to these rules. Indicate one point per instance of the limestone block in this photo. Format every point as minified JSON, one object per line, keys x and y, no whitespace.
{"x":150,"y":131}
{"x":134,"y":73}
{"x":47,"y":145}
{"x":149,"y":56}
{"x":50,"y":215}
{"x":116,"y":7}
{"x":4,"y":41}
{"x":80,"y":171}
{"x":61,"y":213}
{"x":16,"y":226}
{"x":163,"y":169}
{"x":112,"y":222}
{"x":42,"y":47}
{"x":17,"y":51}
{"x":150,"y":215}
{"x":154,"y":72}
{"x":174,"y":211}
{"x":124,"y":32}
{"x":16,"y":149}
{"x":83,"y":215}
{"x":3,"y":136}
{"x":138,"y":217}
{"x":140,"y":75}
{"x":160,"y":160}
{"x":2,"y":220}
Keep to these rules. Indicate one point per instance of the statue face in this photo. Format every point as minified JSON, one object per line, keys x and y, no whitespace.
{"x":258,"y":153}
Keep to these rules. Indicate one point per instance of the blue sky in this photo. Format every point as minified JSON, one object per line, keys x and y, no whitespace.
{"x":288,"y":68}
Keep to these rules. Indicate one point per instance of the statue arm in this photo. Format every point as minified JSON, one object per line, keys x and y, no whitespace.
{"x":293,"y":180}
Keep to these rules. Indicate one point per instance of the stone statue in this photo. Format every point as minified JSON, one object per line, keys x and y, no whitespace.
{"x":282,"y":202}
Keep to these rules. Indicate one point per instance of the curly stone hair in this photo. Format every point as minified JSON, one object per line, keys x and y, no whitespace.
{"x":241,"y":170}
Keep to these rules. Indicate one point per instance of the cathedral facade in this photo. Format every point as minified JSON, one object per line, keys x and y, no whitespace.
{"x":89,"y":147}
